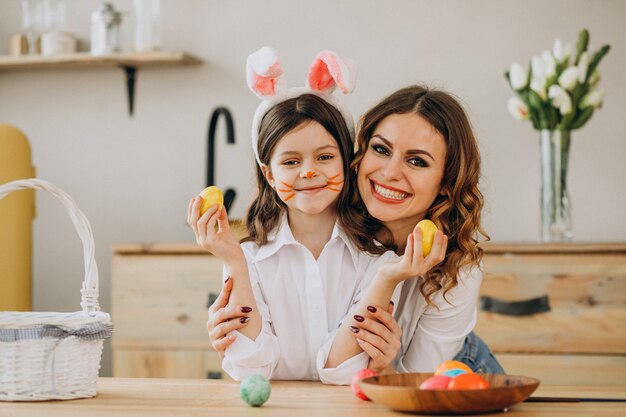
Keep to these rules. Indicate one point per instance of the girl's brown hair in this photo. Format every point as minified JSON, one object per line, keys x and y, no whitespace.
{"x":265,"y":211}
{"x":458,"y":210}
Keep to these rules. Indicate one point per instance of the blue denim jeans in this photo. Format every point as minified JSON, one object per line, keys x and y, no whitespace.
{"x":476,"y":354}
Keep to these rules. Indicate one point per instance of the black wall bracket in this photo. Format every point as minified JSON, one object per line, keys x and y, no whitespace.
{"x":131,"y":77}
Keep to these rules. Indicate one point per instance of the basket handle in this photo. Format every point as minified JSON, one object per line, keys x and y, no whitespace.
{"x":89,"y":291}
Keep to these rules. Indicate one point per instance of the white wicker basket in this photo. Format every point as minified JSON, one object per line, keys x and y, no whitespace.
{"x":54,"y":356}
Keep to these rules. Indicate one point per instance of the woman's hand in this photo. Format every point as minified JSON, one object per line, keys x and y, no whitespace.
{"x":223,"y":319}
{"x":413,"y":262}
{"x":221,"y":242}
{"x":379,"y":337}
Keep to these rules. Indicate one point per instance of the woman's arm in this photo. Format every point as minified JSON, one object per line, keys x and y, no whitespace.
{"x":223,"y":244}
{"x":381,"y":339}
{"x":224,"y":319}
{"x":441,"y":329}
{"x":379,"y":292}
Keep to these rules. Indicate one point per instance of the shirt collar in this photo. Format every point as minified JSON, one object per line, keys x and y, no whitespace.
{"x":282,"y":236}
{"x":279,"y":237}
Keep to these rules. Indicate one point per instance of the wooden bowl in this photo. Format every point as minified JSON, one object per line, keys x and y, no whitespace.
{"x":401,"y":392}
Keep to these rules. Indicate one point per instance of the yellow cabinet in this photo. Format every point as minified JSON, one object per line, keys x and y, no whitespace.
{"x":16,"y":216}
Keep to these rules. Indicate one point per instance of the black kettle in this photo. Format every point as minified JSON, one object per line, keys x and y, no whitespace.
{"x":229,"y":194}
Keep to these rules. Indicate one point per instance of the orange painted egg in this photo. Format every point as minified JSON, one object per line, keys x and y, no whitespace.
{"x":448,"y":365}
{"x":468,"y":381}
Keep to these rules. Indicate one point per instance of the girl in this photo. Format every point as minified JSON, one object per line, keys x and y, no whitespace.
{"x":308,"y":252}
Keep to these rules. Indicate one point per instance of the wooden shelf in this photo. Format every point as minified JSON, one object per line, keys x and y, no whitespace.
{"x":129,"y":62}
{"x":86,"y":60}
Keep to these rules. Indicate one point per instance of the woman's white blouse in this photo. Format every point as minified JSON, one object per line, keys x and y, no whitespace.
{"x":434,"y":334}
{"x":302,"y":302}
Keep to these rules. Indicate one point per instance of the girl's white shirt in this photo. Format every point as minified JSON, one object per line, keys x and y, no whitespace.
{"x":434,"y":334}
{"x":302,"y":302}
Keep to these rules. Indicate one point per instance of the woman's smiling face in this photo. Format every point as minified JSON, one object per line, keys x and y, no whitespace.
{"x":400,"y":174}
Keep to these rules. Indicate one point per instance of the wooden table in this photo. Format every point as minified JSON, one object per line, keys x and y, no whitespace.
{"x":118,"y":397}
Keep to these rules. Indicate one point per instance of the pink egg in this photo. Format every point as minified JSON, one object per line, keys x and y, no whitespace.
{"x":356,"y":389}
{"x":436,"y":382}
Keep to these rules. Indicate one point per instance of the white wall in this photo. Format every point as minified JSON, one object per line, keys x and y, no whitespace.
{"x":133,"y":176}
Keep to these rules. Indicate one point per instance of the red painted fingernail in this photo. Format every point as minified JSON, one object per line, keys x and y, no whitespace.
{"x":244,"y":319}
{"x":391,"y":302}
{"x":246,"y":309}
{"x":358,"y":318}
{"x":354,"y":329}
{"x":371,"y":309}
{"x":227,"y":279}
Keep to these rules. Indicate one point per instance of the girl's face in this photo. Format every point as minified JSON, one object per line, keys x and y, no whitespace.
{"x":306,"y":169}
{"x":400,"y":174}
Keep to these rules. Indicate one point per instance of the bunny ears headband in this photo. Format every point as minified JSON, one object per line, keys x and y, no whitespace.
{"x":265,"y":79}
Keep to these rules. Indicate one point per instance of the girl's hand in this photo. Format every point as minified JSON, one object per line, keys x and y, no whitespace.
{"x":223,"y":319}
{"x":413,"y":263}
{"x":379,"y":338}
{"x":221,"y":242}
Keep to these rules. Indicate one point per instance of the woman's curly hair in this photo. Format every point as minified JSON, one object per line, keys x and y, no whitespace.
{"x":457,"y":210}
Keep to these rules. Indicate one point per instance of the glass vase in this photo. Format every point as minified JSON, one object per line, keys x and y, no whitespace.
{"x":556,"y":219}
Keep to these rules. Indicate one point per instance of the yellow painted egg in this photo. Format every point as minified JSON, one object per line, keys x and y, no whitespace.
{"x":428,"y":235}
{"x":211,"y":195}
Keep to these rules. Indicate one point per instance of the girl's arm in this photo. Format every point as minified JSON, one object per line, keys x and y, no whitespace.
{"x":379,"y":292}
{"x":245,"y":356}
{"x":223,"y":244}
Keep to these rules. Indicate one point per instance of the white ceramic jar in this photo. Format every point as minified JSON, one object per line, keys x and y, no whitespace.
{"x":105,"y":30}
{"x":57,"y":43}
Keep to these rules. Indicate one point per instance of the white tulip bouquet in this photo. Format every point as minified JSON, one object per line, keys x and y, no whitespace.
{"x":558,"y":91}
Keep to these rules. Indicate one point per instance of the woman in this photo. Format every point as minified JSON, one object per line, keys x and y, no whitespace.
{"x":417,"y":158}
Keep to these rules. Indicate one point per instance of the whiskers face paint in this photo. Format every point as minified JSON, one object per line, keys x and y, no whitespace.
{"x":333,"y":182}
{"x":289,"y":190}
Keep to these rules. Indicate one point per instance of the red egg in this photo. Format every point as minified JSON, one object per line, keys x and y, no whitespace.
{"x":436,"y":382}
{"x":356,"y":389}
{"x":468,"y":381}
{"x":447,"y":365}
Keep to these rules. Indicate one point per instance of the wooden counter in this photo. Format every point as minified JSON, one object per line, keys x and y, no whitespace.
{"x":160,"y":294}
{"x":137,"y":397}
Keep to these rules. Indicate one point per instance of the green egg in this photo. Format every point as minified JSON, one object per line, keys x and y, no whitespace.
{"x":255,"y":390}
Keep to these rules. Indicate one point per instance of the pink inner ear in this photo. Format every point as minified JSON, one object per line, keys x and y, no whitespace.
{"x":319,"y":76}
{"x":264,"y":85}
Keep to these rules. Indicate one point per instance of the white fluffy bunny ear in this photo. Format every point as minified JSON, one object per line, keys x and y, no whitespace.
{"x":264,"y":73}
{"x":329,"y":70}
